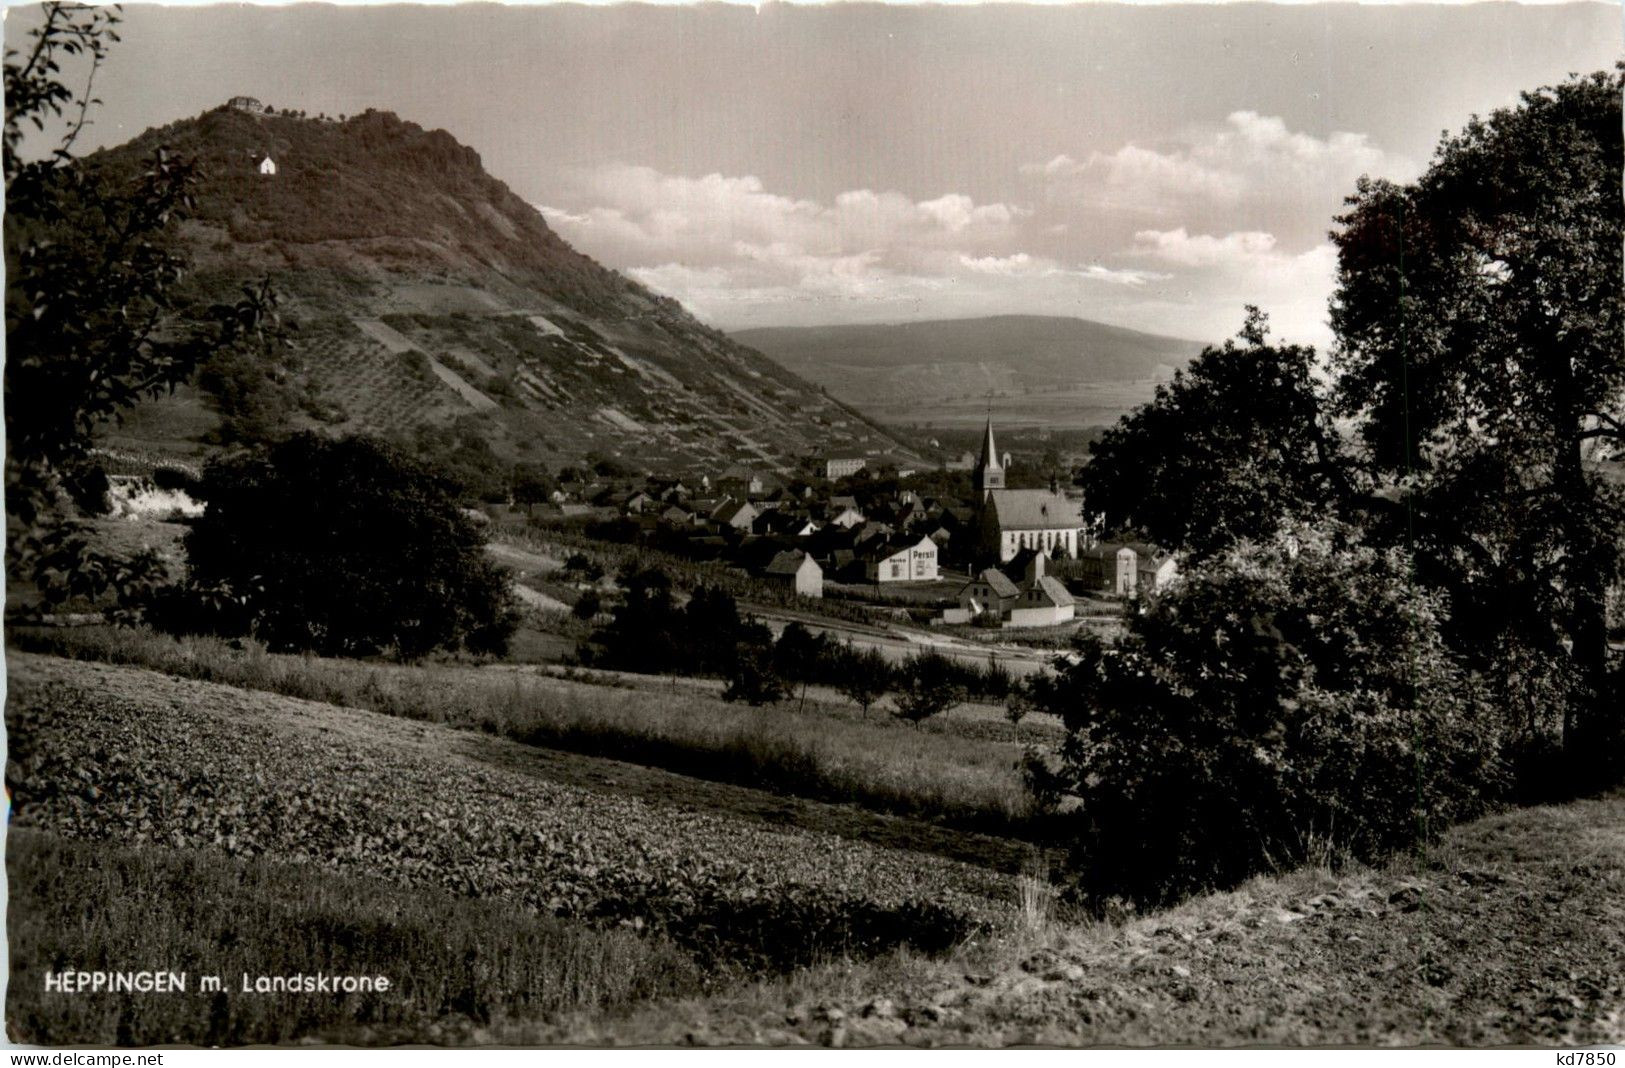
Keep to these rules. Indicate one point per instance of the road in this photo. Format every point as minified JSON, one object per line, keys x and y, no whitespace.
{"x":897,"y":643}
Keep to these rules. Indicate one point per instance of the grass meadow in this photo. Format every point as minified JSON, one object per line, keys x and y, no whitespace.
{"x":462,"y":970}
{"x":962,"y":782}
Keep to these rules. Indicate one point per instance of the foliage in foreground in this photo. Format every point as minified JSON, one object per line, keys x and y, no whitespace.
{"x":1481,"y":356}
{"x":344,"y":548}
{"x":93,"y":320}
{"x":1230,"y":448}
{"x":1290,"y":699}
{"x":457,"y":965}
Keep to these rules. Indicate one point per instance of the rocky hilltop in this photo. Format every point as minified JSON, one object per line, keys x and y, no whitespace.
{"x":425,"y":296}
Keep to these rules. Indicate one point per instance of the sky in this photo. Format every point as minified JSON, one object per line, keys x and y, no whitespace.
{"x":1155,"y":167}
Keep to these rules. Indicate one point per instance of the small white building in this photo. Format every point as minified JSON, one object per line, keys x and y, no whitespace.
{"x":268,"y":166}
{"x":989,"y":592}
{"x":908,"y":561}
{"x":1044,"y":602}
{"x":847,"y":518}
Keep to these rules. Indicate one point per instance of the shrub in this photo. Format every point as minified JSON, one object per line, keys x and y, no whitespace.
{"x":1284,"y":693}
{"x":345,"y":548}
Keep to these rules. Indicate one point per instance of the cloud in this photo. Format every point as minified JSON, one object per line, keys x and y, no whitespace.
{"x":1204,"y":250}
{"x":635,"y":214}
{"x":1245,"y":221}
{"x":1248,"y":171}
{"x":1214,"y":276}
{"x":736,"y":252}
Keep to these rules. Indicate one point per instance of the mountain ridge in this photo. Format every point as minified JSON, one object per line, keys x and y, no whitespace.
{"x":942,"y":359}
{"x":431,"y":299}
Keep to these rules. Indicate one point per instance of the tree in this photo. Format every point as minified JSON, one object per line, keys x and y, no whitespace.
{"x":1479,"y":349}
{"x":927,"y":685}
{"x":754,"y":678}
{"x":93,"y":319}
{"x":531,"y":484}
{"x":1233,"y":447}
{"x":1289,"y":697}
{"x":347,"y":548}
{"x":799,"y":654}
{"x":588,"y":605}
{"x":865,"y":678}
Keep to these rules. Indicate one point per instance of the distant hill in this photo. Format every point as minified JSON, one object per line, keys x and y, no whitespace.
{"x":427,"y":296}
{"x":880,"y":367}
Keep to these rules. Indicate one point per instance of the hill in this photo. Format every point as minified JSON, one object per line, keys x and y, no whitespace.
{"x":942,"y":361}
{"x":428,"y":298}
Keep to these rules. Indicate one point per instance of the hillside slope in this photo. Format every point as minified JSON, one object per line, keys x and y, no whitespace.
{"x":957,"y":358}
{"x":425,"y":293}
{"x":1508,"y":932}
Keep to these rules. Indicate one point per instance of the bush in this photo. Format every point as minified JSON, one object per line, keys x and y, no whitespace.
{"x":344,"y":548}
{"x":1285,"y":698}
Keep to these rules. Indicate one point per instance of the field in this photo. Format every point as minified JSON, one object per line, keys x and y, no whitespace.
{"x":1080,"y":408}
{"x":533,"y":893}
{"x":958,"y":772}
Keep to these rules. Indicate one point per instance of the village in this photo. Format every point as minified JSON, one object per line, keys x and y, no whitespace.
{"x":1001,"y":558}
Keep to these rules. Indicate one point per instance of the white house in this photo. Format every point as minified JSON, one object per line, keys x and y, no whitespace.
{"x":903,"y":561}
{"x":267,"y":166}
{"x":989,"y":592}
{"x":1043,"y":603}
{"x":841,"y":466}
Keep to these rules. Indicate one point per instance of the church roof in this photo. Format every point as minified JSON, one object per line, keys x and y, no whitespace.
{"x":1035,"y":509}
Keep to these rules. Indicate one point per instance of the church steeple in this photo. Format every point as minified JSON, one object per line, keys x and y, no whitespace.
{"x":989,"y":473}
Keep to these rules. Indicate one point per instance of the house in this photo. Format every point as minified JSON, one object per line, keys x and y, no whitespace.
{"x":635,"y":503}
{"x":901,"y":560}
{"x":268,"y":166}
{"x":796,"y":571}
{"x":740,"y":515}
{"x":742,"y":480}
{"x":846,"y":518}
{"x":677,"y":516}
{"x":989,"y":592}
{"x":1044,"y":602}
{"x":1125,"y":568}
{"x":1010,"y":520}
{"x":843,"y":466}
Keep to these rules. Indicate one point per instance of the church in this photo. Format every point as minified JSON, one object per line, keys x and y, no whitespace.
{"x":1010,"y":520}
